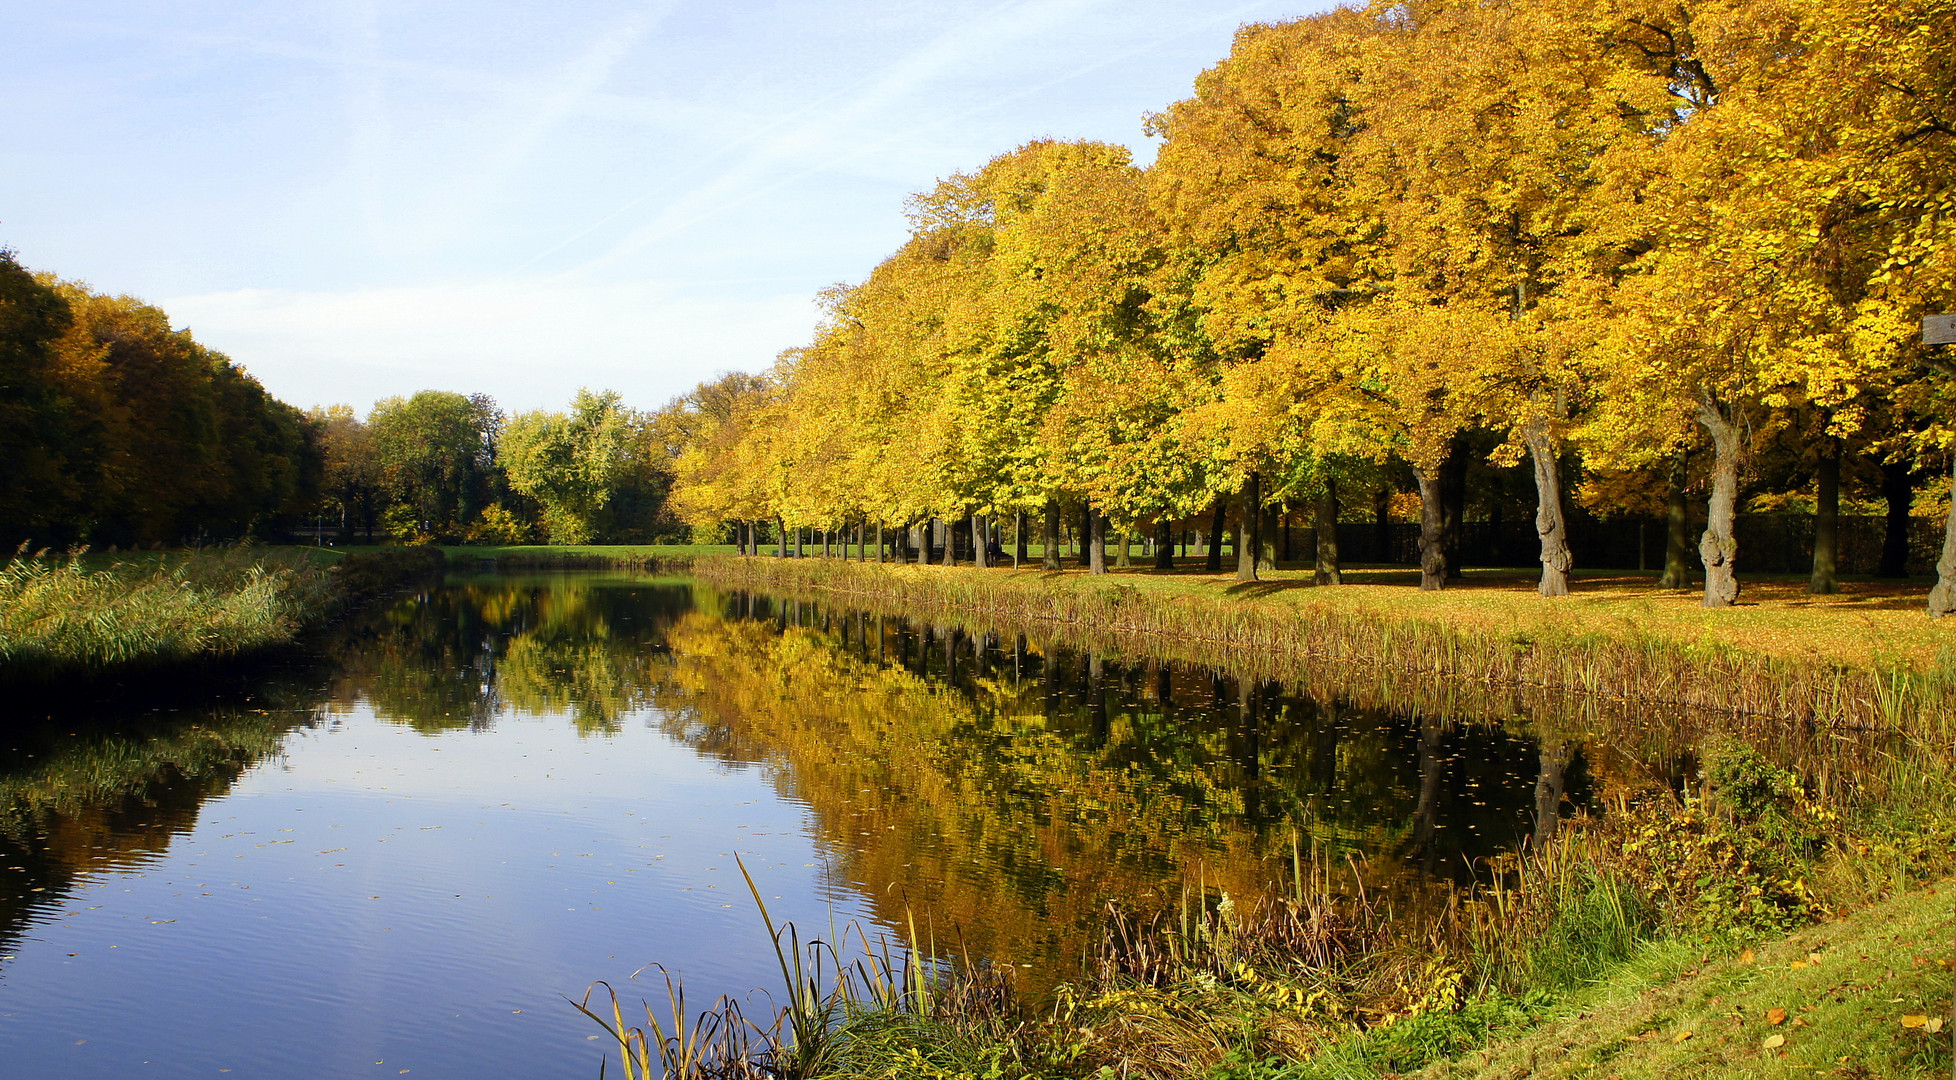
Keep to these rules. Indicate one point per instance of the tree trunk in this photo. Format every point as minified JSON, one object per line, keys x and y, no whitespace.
{"x":1164,"y":545}
{"x":1086,"y":535}
{"x":1212,"y":558}
{"x":1942,"y":598}
{"x":879,"y":540}
{"x":1453,"y":503}
{"x":1718,"y":547}
{"x":1096,"y":541}
{"x":1123,"y":557}
{"x":780,"y":537}
{"x":1247,"y":514}
{"x":1677,"y":536}
{"x":1826,"y":521}
{"x":1550,"y":525}
{"x":1898,"y":488}
{"x":1432,"y":539}
{"x":1049,"y":557}
{"x":1019,"y":553}
{"x":979,"y":554}
{"x":920,"y":534}
{"x":1283,"y":524}
{"x":948,"y":536}
{"x":1327,"y":530}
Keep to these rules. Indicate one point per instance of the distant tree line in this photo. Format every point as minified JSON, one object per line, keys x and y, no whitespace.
{"x":117,"y":429}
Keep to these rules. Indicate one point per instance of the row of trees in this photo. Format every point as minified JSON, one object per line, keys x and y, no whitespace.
{"x":117,"y":429}
{"x":448,"y":467}
{"x":1606,"y":238}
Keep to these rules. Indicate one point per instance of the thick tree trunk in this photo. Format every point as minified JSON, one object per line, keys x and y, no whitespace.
{"x":1019,"y":552}
{"x":1096,"y":539}
{"x":1942,"y":598}
{"x":1826,"y":521}
{"x":1550,"y":525}
{"x":1212,"y":559}
{"x":1453,"y":504}
{"x":1086,"y":535}
{"x":1327,"y":530}
{"x":879,"y":556}
{"x":1677,"y":536}
{"x":980,"y":557}
{"x":1432,"y":538}
{"x":1123,"y":556}
{"x":920,"y":535}
{"x":1248,"y":513}
{"x":1898,"y":488}
{"x":946,"y":535}
{"x":1164,"y":545}
{"x":1049,"y":557}
{"x":781,"y":537}
{"x":1718,"y":547}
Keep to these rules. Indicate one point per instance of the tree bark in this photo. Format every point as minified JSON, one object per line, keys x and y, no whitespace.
{"x":1123,"y":557}
{"x":1212,"y":559}
{"x":1898,"y":488}
{"x":1086,"y":535}
{"x":1453,"y":503}
{"x":980,"y":557}
{"x":1550,"y":525}
{"x":1096,"y":539}
{"x":1942,"y":598}
{"x":1283,"y":525}
{"x":1247,"y":514}
{"x":781,"y":537}
{"x":1826,"y":521}
{"x":1432,"y":538}
{"x":1164,"y":545}
{"x":1327,"y":530}
{"x":1049,"y":557}
{"x":948,"y":535}
{"x":1019,"y":553}
{"x":1677,"y":535}
{"x":879,"y":546}
{"x":1718,"y":547}
{"x":921,"y":535}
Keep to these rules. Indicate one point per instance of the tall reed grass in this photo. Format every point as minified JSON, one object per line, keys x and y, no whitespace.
{"x":61,"y":618}
{"x":1417,"y":661}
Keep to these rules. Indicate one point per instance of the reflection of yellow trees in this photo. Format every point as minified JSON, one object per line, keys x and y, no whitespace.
{"x":1011,"y":811}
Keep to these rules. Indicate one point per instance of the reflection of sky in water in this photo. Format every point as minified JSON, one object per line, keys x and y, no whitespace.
{"x":383,"y":900}
{"x":488,"y":816}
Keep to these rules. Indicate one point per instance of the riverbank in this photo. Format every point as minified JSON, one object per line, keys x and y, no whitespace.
{"x":1866,"y":659}
{"x":83,"y":617}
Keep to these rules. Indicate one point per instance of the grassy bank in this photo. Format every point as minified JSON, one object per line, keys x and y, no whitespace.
{"x":1860,"y":660}
{"x":83,"y":616}
{"x":1748,"y":929}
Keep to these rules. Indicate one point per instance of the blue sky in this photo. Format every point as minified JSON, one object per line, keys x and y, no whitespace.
{"x":359,"y":199}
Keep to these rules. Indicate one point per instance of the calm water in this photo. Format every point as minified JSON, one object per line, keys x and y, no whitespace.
{"x":487,"y":796}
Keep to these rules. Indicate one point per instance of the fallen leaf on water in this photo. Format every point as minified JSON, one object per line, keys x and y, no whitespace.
{"x":1774,"y":1041}
{"x":1776,"y":1017}
{"x":1680,"y":1036}
{"x":1915,"y":1020}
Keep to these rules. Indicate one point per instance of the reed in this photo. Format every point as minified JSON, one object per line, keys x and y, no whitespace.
{"x":62,"y":618}
{"x":1412,"y":659}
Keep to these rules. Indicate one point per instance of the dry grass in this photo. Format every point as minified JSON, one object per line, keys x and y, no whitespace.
{"x":1490,"y":648}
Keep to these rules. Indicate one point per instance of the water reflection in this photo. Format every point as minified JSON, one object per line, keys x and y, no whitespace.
{"x":1002,"y":789}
